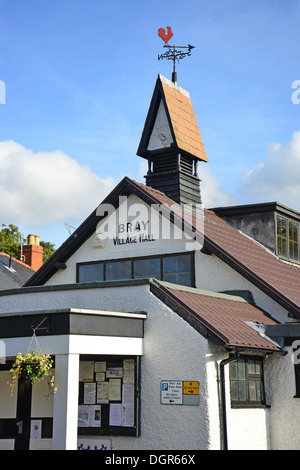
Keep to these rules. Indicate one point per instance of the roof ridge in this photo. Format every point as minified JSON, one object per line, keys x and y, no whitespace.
{"x":194,"y":290}
{"x":174,"y":86}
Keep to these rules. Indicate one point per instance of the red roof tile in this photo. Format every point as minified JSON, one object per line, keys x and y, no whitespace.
{"x":183,"y":119}
{"x":224,"y":315}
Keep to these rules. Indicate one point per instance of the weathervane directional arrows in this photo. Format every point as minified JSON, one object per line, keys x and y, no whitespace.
{"x":174,"y":53}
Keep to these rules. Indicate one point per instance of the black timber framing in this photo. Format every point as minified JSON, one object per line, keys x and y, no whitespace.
{"x":68,"y":322}
{"x":178,"y":185}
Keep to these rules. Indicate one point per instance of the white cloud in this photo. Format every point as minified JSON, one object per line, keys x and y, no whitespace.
{"x":46,"y":187}
{"x":277,"y":177}
{"x":211,"y":192}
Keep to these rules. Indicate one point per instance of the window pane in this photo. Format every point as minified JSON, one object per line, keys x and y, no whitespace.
{"x":241,"y":370}
{"x":282,"y":236}
{"x":238,"y":390}
{"x":255,"y":390}
{"x":118,"y":270}
{"x":178,"y":269}
{"x":242,"y":390}
{"x":293,"y":241}
{"x":259,"y":396}
{"x":91,"y":272}
{"x":251,"y":367}
{"x":252,"y":390}
{"x":258,"y":367}
{"x":234,"y":390}
{"x":233,"y":370}
{"x":146,"y":268}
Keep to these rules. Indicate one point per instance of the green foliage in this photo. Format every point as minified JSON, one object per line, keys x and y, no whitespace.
{"x":35,"y":367}
{"x":49,"y":249}
{"x":11,"y":238}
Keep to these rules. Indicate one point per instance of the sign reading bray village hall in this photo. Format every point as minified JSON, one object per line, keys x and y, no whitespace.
{"x":135,"y":232}
{"x":134,"y":223}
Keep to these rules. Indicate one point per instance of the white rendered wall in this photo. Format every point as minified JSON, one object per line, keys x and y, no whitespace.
{"x":172,"y":350}
{"x":284,"y":415}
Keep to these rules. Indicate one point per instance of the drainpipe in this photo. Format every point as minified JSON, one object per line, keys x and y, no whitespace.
{"x":224,"y":440}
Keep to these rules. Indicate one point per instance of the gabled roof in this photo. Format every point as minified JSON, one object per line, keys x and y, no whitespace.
{"x":278,"y":279}
{"x":175,"y":105}
{"x":13,"y":273}
{"x":226,"y":320}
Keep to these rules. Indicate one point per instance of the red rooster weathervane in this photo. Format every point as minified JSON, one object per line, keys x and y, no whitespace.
{"x":173,"y":53}
{"x":165,"y":37}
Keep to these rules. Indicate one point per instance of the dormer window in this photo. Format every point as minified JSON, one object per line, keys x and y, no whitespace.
{"x":287,"y":238}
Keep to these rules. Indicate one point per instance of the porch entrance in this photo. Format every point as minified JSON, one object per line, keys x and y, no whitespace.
{"x":18,"y":411}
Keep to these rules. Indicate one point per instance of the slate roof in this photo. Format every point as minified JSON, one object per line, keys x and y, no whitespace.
{"x":227,"y":320}
{"x":14,"y":276}
{"x":278,"y":279}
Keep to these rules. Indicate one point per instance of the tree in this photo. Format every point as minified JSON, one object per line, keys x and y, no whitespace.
{"x":49,"y":249}
{"x":11,"y":238}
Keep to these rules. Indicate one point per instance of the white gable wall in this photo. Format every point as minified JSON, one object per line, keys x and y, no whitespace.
{"x":210,"y":272}
{"x":137,"y":212}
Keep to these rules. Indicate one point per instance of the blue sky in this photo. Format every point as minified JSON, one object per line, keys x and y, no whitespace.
{"x":79,"y":77}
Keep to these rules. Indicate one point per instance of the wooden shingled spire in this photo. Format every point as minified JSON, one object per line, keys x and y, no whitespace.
{"x":171,"y":142}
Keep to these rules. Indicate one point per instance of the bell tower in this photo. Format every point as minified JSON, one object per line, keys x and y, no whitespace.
{"x":172,"y":144}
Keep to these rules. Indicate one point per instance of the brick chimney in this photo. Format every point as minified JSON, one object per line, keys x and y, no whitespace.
{"x":32,"y":253}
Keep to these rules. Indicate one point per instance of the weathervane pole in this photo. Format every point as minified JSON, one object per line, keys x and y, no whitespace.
{"x":173,"y":53}
{"x":174,"y":74}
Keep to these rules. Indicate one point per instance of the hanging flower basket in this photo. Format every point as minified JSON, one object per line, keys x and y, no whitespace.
{"x":33,"y":368}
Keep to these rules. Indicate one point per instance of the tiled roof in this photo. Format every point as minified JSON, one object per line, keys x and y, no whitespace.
{"x":277,"y":278}
{"x":227,"y":317}
{"x":280,"y":280}
{"x":183,"y":120}
{"x":256,"y":263}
